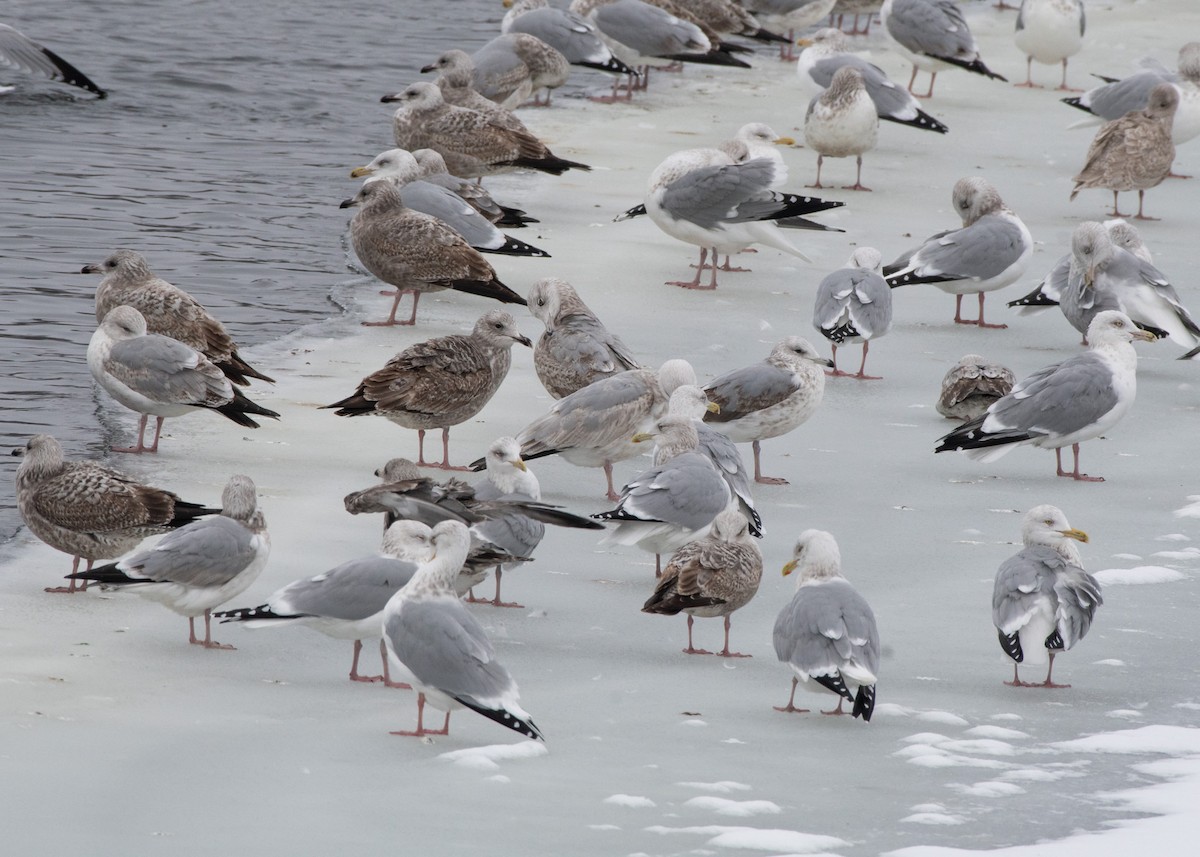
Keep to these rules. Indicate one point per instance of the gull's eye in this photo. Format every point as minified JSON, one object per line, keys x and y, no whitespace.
{"x":541,"y":301}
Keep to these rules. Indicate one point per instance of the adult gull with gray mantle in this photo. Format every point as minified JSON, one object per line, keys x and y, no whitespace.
{"x":1063,"y":404}
{"x":932,"y":35}
{"x":854,"y":305}
{"x":1051,"y":32}
{"x":790,"y":15}
{"x":19,"y":51}
{"x":433,"y":170}
{"x":570,"y":34}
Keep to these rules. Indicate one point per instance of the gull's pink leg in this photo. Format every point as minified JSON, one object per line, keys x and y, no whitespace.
{"x":691,"y":649}
{"x":1016,"y":682}
{"x":208,"y":642}
{"x":421,"y":730}
{"x":862,"y":367}
{"x":387,"y":675}
{"x":983,"y":324}
{"x":1076,"y":475}
{"x":838,"y":710}
{"x":695,"y":284}
{"x":1029,"y":84}
{"x":139,"y":448}
{"x":820,"y":161}
{"x":496,"y":602}
{"x":790,"y":707}
{"x":1139,"y":215}
{"x":612,"y":494}
{"x":725,"y":653}
{"x":391,"y":319}
{"x":1048,"y":683}
{"x":858,"y":185}
{"x":758,"y":477}
{"x":354,"y":676}
{"x":1116,"y":212}
{"x":958,"y":319}
{"x":76,"y":585}
{"x":445,"y":464}
{"x":1062,"y":87}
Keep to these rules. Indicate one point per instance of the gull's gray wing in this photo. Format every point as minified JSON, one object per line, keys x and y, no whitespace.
{"x":1078,"y":596}
{"x":686,"y":491}
{"x":354,"y":590}
{"x":862,"y":296}
{"x":164,"y":370}
{"x":646,"y":29}
{"x":210,"y":552}
{"x":980,"y":251}
{"x":727,"y":458}
{"x":826,"y":629}
{"x":1056,"y":400}
{"x":891,"y":101}
{"x":585,"y":340}
{"x":499,"y":72}
{"x":595,"y":415}
{"x":749,"y":389}
{"x":565,"y":31}
{"x":451,"y":209}
{"x":1022,"y":581}
{"x":710,"y":196}
{"x":936,"y":28}
{"x":1114,"y":100}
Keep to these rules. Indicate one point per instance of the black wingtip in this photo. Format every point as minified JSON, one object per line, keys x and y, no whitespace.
{"x":72,"y":75}
{"x":1077,"y":103}
{"x":492,"y":288}
{"x":524,"y":726}
{"x":612,"y":66}
{"x":864,"y":702}
{"x":636,"y":211}
{"x":923,"y":121}
{"x":714,"y":57}
{"x":834,"y":683}
{"x":477,"y":465}
{"x":513,"y":247}
{"x":1011,"y":643}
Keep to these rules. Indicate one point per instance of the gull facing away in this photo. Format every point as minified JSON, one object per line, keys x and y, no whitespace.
{"x":159,"y":376}
{"x":828,"y":51}
{"x":439,"y":383}
{"x":168,"y":310}
{"x":854,"y":305}
{"x":576,"y":348}
{"x":416,"y":253}
{"x":89,"y":511}
{"x":1134,"y":152}
{"x":990,"y":251}
{"x":346,"y":602}
{"x":769,"y":398}
{"x":1051,"y":32}
{"x":932,"y":35}
{"x":568,"y":33}
{"x":827,"y":633}
{"x":441,"y":649}
{"x":712,"y":576}
{"x":19,"y":51}
{"x":433,"y":170}
{"x":1063,"y":404}
{"x":972,"y":386}
{"x":841,"y":122}
{"x":201,"y":565}
{"x":513,"y":66}
{"x":1043,"y":602}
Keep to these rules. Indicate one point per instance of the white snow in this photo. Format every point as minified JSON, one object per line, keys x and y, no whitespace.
{"x":722,"y":787}
{"x":739,"y":808}
{"x":759,"y":839}
{"x":1140,"y":575}
{"x":631,"y":801}
{"x":487,"y":757}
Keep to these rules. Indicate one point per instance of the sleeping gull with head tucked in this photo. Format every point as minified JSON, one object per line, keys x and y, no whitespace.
{"x":854,"y":305}
{"x":971,"y":386}
{"x":933,"y":35}
{"x":513,"y":66}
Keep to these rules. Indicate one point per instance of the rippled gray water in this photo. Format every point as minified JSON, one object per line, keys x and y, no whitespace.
{"x":221,"y":154}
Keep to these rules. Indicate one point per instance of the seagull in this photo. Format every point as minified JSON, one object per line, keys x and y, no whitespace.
{"x":90,"y":511}
{"x":572,"y":35}
{"x":435,"y":642}
{"x":933,"y":35}
{"x":1063,"y":404}
{"x":199,"y":566}
{"x":1044,"y":602}
{"x":433,"y":170}
{"x":19,"y":51}
{"x":1050,"y":31}
{"x":853,"y":305}
{"x":842,"y":121}
{"x":990,"y":251}
{"x":793,"y":15}
{"x":456,"y":82}
{"x":513,"y":66}
{"x":971,"y":386}
{"x":161,"y":377}
{"x":827,"y":634}
{"x":709,"y":577}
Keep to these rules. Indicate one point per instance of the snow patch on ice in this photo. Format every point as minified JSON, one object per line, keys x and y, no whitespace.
{"x":1038,"y":775}
{"x":631,"y":801}
{"x":990,"y":788}
{"x":935,"y":818}
{"x":486,"y":758}
{"x":942,"y":717}
{"x":1174,"y":740}
{"x":1109,"y":662}
{"x":759,"y":839}
{"x":1191,"y":510}
{"x":1190,"y":706}
{"x":1124,"y":714}
{"x":1173,"y":537}
{"x":1140,"y":575}
{"x":603,"y":827}
{"x":1008,"y":715}
{"x":999,"y":732}
{"x":739,"y":808}
{"x":721,"y":786}
{"x":1181,"y":555}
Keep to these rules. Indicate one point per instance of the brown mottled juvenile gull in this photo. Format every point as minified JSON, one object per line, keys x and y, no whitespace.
{"x":89,"y":511}
{"x":433,"y":169}
{"x":1134,"y":152}
{"x":201,"y":565}
{"x":161,"y":377}
{"x":435,"y":643}
{"x":439,"y":383}
{"x":346,"y":602}
{"x":712,"y":576}
{"x":990,"y":251}
{"x":416,"y":253}
{"x":17,"y":50}
{"x":972,"y":386}
{"x":1043,"y":601}
{"x":471,"y":143}
{"x":842,"y":121}
{"x":513,"y":66}
{"x":769,"y":398}
{"x":1063,"y":404}
{"x":827,"y":634}
{"x":456,"y":80}
{"x":568,"y":33}
{"x":128,"y":281}
{"x":576,"y":348}
{"x":933,"y":35}
{"x":1051,"y":32}
{"x":854,"y":305}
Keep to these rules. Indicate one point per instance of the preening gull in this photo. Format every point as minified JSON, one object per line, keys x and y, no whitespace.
{"x":435,"y":642}
{"x":89,"y":511}
{"x":769,"y":398}
{"x":439,"y":383}
{"x":1051,"y":32}
{"x":576,"y":348}
{"x":841,"y":122}
{"x":827,"y":634}
{"x":1063,"y":404}
{"x":471,"y":143}
{"x":570,"y":34}
{"x":790,"y":15}
{"x":933,"y":35}
{"x":417,"y":253}
{"x":19,"y":51}
{"x":712,"y":576}
{"x":759,"y":140}
{"x":201,"y":565}
{"x":168,"y":310}
{"x":159,"y":376}
{"x":513,"y":66}
{"x":828,"y":51}
{"x":433,"y":170}
{"x":990,"y":251}
{"x":401,"y":169}
{"x":1043,"y":602}
{"x":972,"y":386}
{"x":347,"y":601}
{"x":854,"y":305}
{"x":1134,"y":152}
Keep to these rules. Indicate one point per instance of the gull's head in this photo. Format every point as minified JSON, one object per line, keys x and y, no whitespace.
{"x":1113,"y":326}
{"x":416,"y":95}
{"x":239,"y":500}
{"x":396,"y":164}
{"x":408,"y":540}
{"x":973,"y":197}
{"x":1189,"y":61}
{"x":829,"y":40}
{"x":40,"y":452}
{"x":375,"y":196}
{"x":1091,"y":248}
{"x":816,"y":556}
{"x":124,"y":322}
{"x":451,"y":541}
{"x":690,"y":401}
{"x":795,"y":349}
{"x":128,"y":264}
{"x":499,"y":328}
{"x":731,"y":526}
{"x":505,"y":453}
{"x":847,"y":80}
{"x":546,"y":297}
{"x":676,"y":432}
{"x":674,"y":373}
{"x":454,"y":60}
{"x":762,"y":134}
{"x":1126,"y":236}
{"x":866,"y":257}
{"x":1163,"y":101}
{"x":1047,"y":525}
{"x":398,"y":470}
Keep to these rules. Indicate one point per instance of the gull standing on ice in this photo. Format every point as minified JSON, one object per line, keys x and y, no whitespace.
{"x":1063,"y":404}
{"x":854,"y":305}
{"x":990,"y":251}
{"x":416,"y":253}
{"x":770,"y":398}
{"x":841,"y":122}
{"x":972,"y":386}
{"x":792,"y":15}
{"x":19,"y":51}
{"x":827,"y":633}
{"x":1134,"y":152}
{"x":570,"y":34}
{"x":1051,"y":32}
{"x":439,"y":383}
{"x":1043,"y":602}
{"x":857,"y":8}
{"x":89,"y":511}
{"x":346,"y":602}
{"x":933,"y":35}
{"x":513,"y":66}
{"x":828,"y":51}
{"x":709,"y":577}
{"x":200,"y":566}
{"x":442,"y":650}
{"x":161,"y":377}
